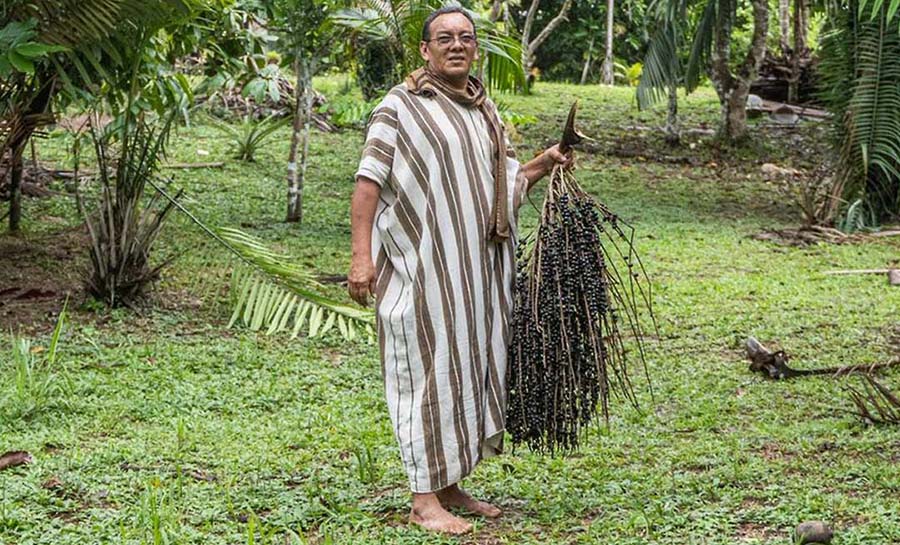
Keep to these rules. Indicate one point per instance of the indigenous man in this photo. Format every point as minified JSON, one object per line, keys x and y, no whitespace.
{"x":433,"y":220}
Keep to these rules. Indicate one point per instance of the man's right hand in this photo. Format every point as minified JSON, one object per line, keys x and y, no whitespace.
{"x":361,"y":279}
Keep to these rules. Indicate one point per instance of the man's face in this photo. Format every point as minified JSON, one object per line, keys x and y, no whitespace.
{"x":451,"y":49}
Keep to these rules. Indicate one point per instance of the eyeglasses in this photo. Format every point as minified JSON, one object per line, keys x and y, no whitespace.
{"x":445,"y":41}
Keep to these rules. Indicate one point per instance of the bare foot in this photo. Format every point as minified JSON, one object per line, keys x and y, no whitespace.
{"x":428,"y":513}
{"x":454,"y":496}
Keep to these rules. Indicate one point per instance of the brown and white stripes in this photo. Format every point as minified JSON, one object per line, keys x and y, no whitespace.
{"x":443,"y":289}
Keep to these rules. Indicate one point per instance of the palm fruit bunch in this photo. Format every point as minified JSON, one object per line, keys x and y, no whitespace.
{"x":579,"y":286}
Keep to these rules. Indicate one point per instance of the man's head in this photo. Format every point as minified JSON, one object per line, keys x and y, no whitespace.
{"x":449,"y":44}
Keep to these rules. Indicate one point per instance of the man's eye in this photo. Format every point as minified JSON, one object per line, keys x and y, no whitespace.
{"x":444,"y":40}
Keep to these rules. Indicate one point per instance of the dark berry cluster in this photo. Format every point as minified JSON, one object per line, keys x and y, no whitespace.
{"x":566,"y":352}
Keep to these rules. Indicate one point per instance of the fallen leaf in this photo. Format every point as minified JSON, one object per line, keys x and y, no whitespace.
{"x":14,"y":458}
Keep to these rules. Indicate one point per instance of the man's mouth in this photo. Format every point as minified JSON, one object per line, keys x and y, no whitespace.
{"x":451,"y":59}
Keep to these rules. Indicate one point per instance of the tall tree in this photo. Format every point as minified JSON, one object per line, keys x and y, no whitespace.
{"x":784,"y":27}
{"x":529,"y":45}
{"x":306,"y":32}
{"x":734,"y":87}
{"x":608,"y":75}
{"x":800,"y":50}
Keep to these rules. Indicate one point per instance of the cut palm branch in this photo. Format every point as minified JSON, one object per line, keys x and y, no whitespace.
{"x":579,"y":286}
{"x":271,"y":293}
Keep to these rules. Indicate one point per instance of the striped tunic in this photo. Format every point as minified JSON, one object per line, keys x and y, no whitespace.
{"x":443,"y":289}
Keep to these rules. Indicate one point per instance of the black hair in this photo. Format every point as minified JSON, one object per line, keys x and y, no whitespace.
{"x":426,"y":28}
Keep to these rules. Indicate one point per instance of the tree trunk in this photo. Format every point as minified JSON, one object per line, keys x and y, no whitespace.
{"x":608,"y":59}
{"x":784,"y":22}
{"x":799,"y":50}
{"x":299,"y":141}
{"x":673,"y":130}
{"x":734,"y":88}
{"x":529,"y":48}
{"x":15,"y":188}
{"x":587,"y":62}
{"x":735,"y":114}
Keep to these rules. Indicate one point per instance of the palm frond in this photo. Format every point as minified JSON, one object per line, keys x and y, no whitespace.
{"x":861,"y":85}
{"x":79,"y":23}
{"x":702,"y":45}
{"x":270,"y":292}
{"x":661,"y":65}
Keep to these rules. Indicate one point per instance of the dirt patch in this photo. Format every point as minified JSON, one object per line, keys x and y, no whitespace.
{"x":753,"y":531}
{"x":773,"y":451}
{"x":36,"y":276}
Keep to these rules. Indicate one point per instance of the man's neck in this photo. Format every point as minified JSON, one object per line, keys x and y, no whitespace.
{"x":459,"y":84}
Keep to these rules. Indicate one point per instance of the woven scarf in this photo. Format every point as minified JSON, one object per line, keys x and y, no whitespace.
{"x":425,"y":82}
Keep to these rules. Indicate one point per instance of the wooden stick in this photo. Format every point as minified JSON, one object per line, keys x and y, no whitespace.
{"x":860,"y":271}
{"x":890,"y":233}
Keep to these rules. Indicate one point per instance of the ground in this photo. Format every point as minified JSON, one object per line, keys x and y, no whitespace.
{"x":164,"y":426}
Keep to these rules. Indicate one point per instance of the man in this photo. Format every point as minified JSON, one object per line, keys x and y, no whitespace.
{"x":433,"y":219}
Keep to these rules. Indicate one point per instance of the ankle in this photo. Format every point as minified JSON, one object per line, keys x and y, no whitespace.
{"x":425,"y":503}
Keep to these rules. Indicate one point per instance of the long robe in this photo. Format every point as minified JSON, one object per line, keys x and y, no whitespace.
{"x":443,"y":289}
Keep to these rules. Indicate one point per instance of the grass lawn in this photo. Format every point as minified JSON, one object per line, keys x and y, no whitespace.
{"x":169,"y":428}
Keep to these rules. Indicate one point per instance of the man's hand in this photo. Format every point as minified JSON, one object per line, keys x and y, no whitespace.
{"x":543,"y":163}
{"x":553,"y":156}
{"x":361,"y":279}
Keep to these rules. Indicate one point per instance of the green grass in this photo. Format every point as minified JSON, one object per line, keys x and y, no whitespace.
{"x":171,"y":429}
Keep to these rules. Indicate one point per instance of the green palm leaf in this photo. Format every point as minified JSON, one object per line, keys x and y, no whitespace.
{"x":268,"y":286}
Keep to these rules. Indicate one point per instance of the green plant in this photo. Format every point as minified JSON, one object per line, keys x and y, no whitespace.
{"x":248,"y":136}
{"x":37,"y":379}
{"x":366,"y":463}
{"x":55,"y":52}
{"x":858,"y":217}
{"x":157,"y":518}
{"x":348,"y":111}
{"x":860,"y":73}
{"x":123,"y":225}
{"x":508,"y":116}
{"x":629,"y":75}
{"x":270,"y":291}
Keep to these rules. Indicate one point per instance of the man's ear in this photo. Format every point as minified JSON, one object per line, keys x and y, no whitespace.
{"x":423,"y":51}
